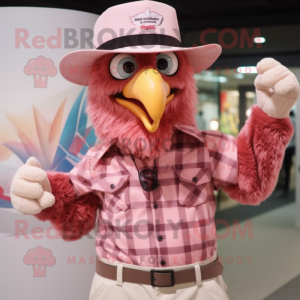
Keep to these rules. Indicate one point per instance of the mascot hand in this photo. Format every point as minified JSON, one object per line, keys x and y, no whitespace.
{"x":277,"y":88}
{"x":30,"y":189}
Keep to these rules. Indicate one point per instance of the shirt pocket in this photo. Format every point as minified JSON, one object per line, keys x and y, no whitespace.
{"x":114,"y":189}
{"x":194,"y":186}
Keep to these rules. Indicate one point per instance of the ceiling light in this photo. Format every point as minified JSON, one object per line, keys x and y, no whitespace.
{"x":247,"y":70}
{"x":259,"y":40}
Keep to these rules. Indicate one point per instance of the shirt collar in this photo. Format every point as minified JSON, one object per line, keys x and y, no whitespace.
{"x":191,"y":130}
{"x":101,"y":149}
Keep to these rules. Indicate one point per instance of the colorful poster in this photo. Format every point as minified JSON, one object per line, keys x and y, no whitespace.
{"x":41,"y":115}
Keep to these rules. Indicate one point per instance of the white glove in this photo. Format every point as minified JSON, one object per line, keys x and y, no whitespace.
{"x":277,"y":88}
{"x":30,"y":189}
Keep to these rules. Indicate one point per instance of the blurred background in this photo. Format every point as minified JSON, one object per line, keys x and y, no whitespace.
{"x":263,"y":261}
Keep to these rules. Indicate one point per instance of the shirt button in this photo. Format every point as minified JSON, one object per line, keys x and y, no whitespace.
{"x":155,"y":205}
{"x":195,"y":179}
{"x":160,"y":238}
{"x":163,"y":263}
{"x":112,"y":186}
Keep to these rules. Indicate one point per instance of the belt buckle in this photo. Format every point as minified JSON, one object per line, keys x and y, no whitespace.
{"x":152,"y":277}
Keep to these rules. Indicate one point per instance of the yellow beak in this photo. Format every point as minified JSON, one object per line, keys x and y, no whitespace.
{"x":148,"y":87}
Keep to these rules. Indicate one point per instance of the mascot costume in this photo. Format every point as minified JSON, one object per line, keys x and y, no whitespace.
{"x":149,"y":185}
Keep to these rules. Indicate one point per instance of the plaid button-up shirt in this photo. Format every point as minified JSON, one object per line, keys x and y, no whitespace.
{"x":173,"y":225}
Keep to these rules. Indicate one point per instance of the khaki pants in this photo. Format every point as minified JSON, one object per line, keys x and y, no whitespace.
{"x":212,"y":289}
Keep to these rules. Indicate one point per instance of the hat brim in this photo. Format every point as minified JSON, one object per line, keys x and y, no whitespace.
{"x":75,"y":66}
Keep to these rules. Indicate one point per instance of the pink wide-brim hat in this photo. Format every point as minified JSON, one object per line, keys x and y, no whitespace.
{"x":135,"y":27}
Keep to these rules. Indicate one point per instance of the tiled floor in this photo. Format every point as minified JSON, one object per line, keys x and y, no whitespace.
{"x":290,"y":291}
{"x":274,"y":251}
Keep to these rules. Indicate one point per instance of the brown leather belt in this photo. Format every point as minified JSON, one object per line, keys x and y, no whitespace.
{"x":157,"y":277}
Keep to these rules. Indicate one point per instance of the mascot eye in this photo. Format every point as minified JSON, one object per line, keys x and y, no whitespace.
{"x":122,"y":66}
{"x":167,"y":63}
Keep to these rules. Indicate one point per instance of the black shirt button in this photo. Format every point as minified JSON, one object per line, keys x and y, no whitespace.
{"x":163,"y":263}
{"x":195,"y":179}
{"x":155,"y":205}
{"x":112,"y":186}
{"x":160,"y":238}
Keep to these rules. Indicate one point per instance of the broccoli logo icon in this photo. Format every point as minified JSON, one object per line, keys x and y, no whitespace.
{"x":39,"y":258}
{"x":40,"y":68}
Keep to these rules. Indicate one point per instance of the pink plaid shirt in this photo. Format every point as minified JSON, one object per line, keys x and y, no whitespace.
{"x":173,"y":225}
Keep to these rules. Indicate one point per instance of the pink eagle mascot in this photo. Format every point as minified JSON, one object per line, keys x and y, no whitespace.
{"x":148,"y":187}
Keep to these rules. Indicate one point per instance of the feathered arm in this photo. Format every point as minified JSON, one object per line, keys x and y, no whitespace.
{"x":261,"y":145}
{"x":71,"y":217}
{"x":51,"y":196}
{"x":262,"y":142}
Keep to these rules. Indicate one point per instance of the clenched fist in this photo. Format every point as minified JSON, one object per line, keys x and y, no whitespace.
{"x":277,"y":88}
{"x":30,"y":189}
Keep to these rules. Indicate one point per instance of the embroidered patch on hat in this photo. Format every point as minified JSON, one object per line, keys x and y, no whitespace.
{"x":147,"y":19}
